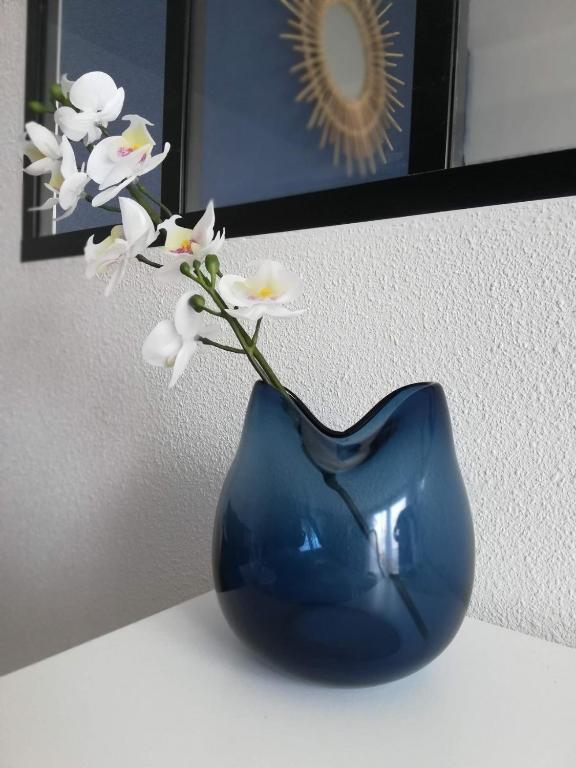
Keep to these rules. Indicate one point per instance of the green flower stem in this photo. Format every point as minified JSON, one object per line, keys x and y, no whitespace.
{"x":39,"y":108}
{"x":212,"y":311}
{"x":140,"y":198}
{"x":201,"y":280}
{"x":256,"y":332}
{"x":247,"y":343}
{"x":254,"y":355}
{"x":211,"y":343}
{"x":159,"y":203}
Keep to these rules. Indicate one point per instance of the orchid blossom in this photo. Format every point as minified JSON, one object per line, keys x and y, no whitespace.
{"x":186,"y":245}
{"x":66,"y":182}
{"x":113,"y":254}
{"x":71,"y":189}
{"x":265,"y":293}
{"x":117,"y":161}
{"x":97,"y":101}
{"x":44,"y":151}
{"x":172,"y":343}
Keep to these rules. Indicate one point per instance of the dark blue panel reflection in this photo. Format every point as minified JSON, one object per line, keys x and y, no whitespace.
{"x":346,"y":557}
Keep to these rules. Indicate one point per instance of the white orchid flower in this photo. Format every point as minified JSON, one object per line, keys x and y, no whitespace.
{"x":67,"y":183}
{"x":265,"y":293}
{"x":72,"y":187}
{"x":186,"y":245}
{"x":172,"y":343}
{"x":125,"y":242}
{"x":118,"y":160}
{"x":98,"y":100}
{"x":44,"y":151}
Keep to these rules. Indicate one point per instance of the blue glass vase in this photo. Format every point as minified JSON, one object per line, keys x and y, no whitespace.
{"x":345,"y":557}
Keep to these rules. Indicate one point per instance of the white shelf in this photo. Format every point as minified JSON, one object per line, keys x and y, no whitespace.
{"x":177,"y":690}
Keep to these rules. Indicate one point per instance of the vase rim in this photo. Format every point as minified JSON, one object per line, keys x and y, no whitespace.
{"x":362,"y":422}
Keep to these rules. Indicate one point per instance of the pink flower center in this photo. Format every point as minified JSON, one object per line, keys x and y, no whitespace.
{"x":184,"y":247}
{"x":125,"y":151}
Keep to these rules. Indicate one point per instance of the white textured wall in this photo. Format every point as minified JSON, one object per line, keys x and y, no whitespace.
{"x":108,"y":481}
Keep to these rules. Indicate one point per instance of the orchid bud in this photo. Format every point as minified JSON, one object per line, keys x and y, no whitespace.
{"x":197,"y":302}
{"x":57,"y":93}
{"x":37,"y":106}
{"x":212,"y":264}
{"x":185,"y":269}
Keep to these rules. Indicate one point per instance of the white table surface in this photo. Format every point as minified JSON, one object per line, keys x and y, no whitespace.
{"x":178,"y":690}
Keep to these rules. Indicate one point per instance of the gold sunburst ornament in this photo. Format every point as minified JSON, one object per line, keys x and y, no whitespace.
{"x":346,"y":65}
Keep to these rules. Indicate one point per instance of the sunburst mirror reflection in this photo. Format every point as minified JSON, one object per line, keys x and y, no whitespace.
{"x":347,"y":55}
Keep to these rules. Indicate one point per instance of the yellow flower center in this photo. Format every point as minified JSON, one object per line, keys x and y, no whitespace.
{"x":265,"y":292}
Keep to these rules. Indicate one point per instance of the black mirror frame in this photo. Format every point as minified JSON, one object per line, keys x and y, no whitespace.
{"x":426,"y":190}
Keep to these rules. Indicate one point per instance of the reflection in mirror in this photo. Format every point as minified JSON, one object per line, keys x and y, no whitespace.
{"x":521,"y":96}
{"x":126,"y":39}
{"x":308,"y":96}
{"x":344,"y":50}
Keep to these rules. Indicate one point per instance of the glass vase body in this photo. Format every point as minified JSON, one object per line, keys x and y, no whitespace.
{"x":345,"y":557}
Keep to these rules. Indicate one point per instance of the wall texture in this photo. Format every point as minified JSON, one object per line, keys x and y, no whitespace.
{"x":108,"y":481}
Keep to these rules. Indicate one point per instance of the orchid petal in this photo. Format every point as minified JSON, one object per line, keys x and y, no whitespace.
{"x":98,"y":255}
{"x":154,"y":162}
{"x":101,"y":159}
{"x":136,"y":222}
{"x":137,"y":134}
{"x":118,"y":272}
{"x":162,"y":344}
{"x":44,"y":140}
{"x":108,"y":194}
{"x":46,"y":205}
{"x":32,"y":152}
{"x":124,"y":167}
{"x":56,"y":180}
{"x":182,"y":360}
{"x":74,"y":124}
{"x":257,"y":311}
{"x":287,"y":285}
{"x":93,"y":91}
{"x":93,"y":132}
{"x":215,"y":246}
{"x":112,"y":108}
{"x":68,"y":166}
{"x":72,"y":190}
{"x":233,"y":290}
{"x":203,"y":232}
{"x":40,"y":167}
{"x":188,"y":322}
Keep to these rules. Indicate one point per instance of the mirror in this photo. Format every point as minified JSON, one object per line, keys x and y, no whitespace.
{"x":521,"y":89}
{"x":344,"y":50}
{"x":306,"y":113}
{"x":326,"y":103}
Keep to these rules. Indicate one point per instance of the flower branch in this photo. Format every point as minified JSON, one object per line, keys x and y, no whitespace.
{"x":83,"y":111}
